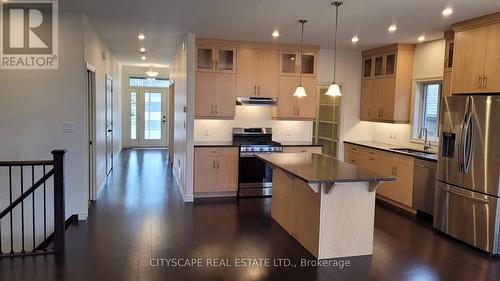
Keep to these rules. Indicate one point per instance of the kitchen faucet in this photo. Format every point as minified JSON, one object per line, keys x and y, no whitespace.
{"x":427,"y":144}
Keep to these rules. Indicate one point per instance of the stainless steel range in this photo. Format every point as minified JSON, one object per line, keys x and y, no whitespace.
{"x":255,"y":176}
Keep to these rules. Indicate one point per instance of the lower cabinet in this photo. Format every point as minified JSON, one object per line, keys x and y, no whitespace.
{"x":215,"y":170}
{"x":390,"y":163}
{"x":299,"y":149}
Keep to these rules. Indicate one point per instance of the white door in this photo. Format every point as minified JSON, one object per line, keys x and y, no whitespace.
{"x":109,"y":124}
{"x":148,"y":117}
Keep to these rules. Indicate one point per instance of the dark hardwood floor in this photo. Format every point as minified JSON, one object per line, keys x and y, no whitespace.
{"x":141,"y":216}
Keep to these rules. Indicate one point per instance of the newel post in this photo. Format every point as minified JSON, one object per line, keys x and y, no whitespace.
{"x":59,"y":215}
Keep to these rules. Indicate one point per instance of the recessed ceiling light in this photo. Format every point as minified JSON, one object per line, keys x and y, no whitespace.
{"x":421,"y":38}
{"x":143,"y":58}
{"x":355,"y":39}
{"x":276,"y":34}
{"x":142,"y":50}
{"x":141,"y":36}
{"x":446,"y":12}
{"x":392,"y":28}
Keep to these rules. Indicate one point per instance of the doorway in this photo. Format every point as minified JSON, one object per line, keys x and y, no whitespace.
{"x":91,"y":153}
{"x":109,"y":124}
{"x":148,"y":117}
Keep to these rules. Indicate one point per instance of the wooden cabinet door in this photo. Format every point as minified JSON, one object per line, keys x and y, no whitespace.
{"x":403,"y":189}
{"x":377,"y":99}
{"x":385,"y":167}
{"x":388,"y":98}
{"x":204,"y":94}
{"x":287,"y":103}
{"x":446,"y":84}
{"x":247,"y":72}
{"x":366,"y":106}
{"x":227,"y":173}
{"x":225,"y":101}
{"x":205,"y":174}
{"x":268,"y":73}
{"x":492,"y":62}
{"x":469,"y":60}
{"x":307,"y":105}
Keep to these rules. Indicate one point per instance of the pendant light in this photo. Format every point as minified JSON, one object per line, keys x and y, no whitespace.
{"x":300,"y":91}
{"x":334,"y":89}
{"x":152,"y":73}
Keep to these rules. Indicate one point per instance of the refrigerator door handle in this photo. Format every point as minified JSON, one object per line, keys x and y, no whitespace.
{"x":468,"y":143}
{"x":449,"y":190}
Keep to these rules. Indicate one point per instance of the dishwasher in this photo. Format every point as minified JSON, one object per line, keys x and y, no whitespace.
{"x":424,"y":182}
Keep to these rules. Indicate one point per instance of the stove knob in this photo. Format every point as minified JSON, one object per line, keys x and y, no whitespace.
{"x":265,"y":149}
{"x":254,"y":149}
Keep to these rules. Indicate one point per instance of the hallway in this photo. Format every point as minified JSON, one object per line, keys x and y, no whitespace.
{"x":140,"y":215}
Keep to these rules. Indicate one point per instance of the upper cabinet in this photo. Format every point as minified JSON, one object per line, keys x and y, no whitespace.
{"x":229,"y":69}
{"x":215,"y":59}
{"x":476,"y":56}
{"x":386,"y":85}
{"x":257,"y":73}
{"x":448,"y":62}
{"x":291,"y":64}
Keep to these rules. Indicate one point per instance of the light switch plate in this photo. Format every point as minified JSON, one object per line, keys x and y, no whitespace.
{"x":68,"y":127}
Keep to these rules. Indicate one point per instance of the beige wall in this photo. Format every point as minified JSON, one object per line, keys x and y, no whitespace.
{"x":34,"y":104}
{"x":182,"y":75}
{"x":349,"y":76}
{"x":428,"y":64}
{"x":94,"y":52}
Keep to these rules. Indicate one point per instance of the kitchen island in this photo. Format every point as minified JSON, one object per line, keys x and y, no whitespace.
{"x":325,"y":204}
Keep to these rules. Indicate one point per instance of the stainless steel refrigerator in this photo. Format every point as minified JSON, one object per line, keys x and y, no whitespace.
{"x":467,"y":189}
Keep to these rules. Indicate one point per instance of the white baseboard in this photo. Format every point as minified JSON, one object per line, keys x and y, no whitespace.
{"x":188,"y":198}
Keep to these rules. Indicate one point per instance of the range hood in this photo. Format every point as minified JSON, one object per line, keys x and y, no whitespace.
{"x":257,"y":101}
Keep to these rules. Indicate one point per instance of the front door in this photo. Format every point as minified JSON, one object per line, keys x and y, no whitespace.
{"x":148,"y":117}
{"x":109,"y":124}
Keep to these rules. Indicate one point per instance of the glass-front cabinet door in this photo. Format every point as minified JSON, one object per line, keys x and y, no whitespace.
{"x":288,"y":63}
{"x":226,"y":60}
{"x":390,"y":64}
{"x":205,"y":58}
{"x":308,"y":64}
{"x":379,"y":66}
{"x":367,"y":68}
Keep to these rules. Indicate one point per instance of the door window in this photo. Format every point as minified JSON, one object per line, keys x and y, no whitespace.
{"x":152,"y":116}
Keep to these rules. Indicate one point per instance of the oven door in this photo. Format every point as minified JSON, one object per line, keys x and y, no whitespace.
{"x":255,"y":176}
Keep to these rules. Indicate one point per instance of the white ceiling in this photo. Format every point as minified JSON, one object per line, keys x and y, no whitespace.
{"x":166,"y":21}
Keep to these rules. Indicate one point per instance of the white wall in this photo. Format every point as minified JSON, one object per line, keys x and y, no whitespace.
{"x":349,"y":77}
{"x":428,"y":64}
{"x":252,"y":116}
{"x":94,"y":52}
{"x":182,"y":75}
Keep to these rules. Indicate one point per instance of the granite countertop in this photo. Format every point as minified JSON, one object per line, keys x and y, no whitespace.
{"x":230,"y":143}
{"x":389,"y":148}
{"x":318,"y":168}
{"x":298,"y":143}
{"x":214,"y":144}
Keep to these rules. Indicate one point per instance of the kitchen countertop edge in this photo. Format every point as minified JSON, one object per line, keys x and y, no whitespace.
{"x":374,"y":146}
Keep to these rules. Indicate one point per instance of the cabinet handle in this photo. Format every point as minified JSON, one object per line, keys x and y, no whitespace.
{"x":216,"y":109}
{"x":371,"y":159}
{"x":485,"y":82}
{"x":396,"y":171}
{"x":298,"y":110}
{"x":212,"y":110}
{"x":213,"y":161}
{"x":255,"y":90}
{"x":258,"y":90}
{"x":213,"y":65}
{"x":480,"y":82}
{"x":216,"y":65}
{"x":218,"y":164}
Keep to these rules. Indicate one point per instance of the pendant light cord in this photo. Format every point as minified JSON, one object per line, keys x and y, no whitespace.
{"x":301,"y":50}
{"x":337,"y":4}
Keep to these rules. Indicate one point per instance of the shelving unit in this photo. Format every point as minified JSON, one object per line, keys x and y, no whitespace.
{"x":327,"y":123}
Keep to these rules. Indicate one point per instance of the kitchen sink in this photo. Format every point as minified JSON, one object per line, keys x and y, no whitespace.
{"x":413,"y":151}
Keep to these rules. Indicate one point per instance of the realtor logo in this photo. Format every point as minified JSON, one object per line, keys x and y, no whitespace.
{"x":29,"y":34}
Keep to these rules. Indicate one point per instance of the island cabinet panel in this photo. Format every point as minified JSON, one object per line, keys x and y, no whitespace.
{"x":301,"y":149}
{"x":399,"y":192}
{"x":282,"y":199}
{"x":215,"y":171}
